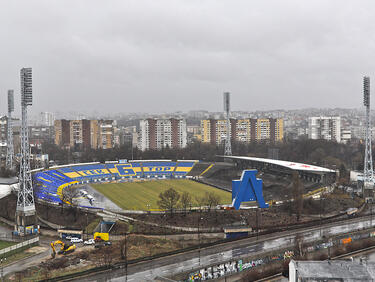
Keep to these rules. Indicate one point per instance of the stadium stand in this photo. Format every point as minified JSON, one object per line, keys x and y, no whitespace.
{"x":50,"y":183}
{"x":198,"y":168}
{"x":137,"y":168}
{"x":183,"y":168}
{"x":158,"y":169}
{"x":92,"y":171}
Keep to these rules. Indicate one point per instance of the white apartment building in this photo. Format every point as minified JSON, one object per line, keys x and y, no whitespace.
{"x":328,"y":128}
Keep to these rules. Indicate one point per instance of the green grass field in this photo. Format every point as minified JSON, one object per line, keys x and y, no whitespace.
{"x":136,"y":195}
{"x":6,"y":244}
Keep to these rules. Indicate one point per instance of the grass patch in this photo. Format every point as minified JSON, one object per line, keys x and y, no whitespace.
{"x":92,"y":225}
{"x":136,"y":195}
{"x":6,"y":244}
{"x":16,"y":257}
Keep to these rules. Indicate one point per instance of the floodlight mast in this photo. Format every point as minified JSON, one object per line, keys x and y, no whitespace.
{"x":10,"y":147}
{"x":25,"y":211}
{"x":368,"y":172}
{"x":228,"y":146}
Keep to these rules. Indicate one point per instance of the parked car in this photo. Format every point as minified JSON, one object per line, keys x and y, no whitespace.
{"x":76,"y":240}
{"x":89,"y":242}
{"x":99,"y":244}
{"x":83,"y":193}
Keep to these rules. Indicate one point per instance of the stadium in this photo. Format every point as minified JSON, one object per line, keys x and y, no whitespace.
{"x":131,"y":185}
{"x":52,"y":185}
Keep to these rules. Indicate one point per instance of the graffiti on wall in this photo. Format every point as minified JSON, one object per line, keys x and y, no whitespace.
{"x":231,"y":267}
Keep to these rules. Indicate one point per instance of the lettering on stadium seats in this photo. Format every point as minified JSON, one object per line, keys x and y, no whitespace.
{"x":159,"y":168}
{"x":125,"y":170}
{"x":93,"y":172}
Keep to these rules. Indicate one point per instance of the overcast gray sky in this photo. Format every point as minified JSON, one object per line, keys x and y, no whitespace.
{"x":160,"y":55}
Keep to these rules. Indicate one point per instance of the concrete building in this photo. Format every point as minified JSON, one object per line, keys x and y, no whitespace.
{"x":46,"y":119}
{"x":62,"y":133}
{"x":331,"y":270}
{"x":346,"y":135}
{"x":156,"y":134}
{"x":84,"y":134}
{"x":128,"y":135}
{"x":193,"y":133}
{"x":328,"y":128}
{"x":39,"y":135}
{"x":242,"y":130}
{"x":3,"y":136}
{"x":106,"y":134}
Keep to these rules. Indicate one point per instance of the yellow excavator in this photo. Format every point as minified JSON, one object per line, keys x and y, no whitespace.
{"x":64,"y":249}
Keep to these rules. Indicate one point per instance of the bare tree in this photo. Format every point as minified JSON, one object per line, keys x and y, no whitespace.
{"x":168,"y":199}
{"x":211,"y":199}
{"x":201,"y":202}
{"x":185,"y":200}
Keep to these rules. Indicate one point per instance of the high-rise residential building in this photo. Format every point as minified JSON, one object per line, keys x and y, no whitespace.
{"x":106,"y":134}
{"x":3,"y":135}
{"x":328,"y":128}
{"x":47,"y":119}
{"x":62,"y":133}
{"x":242,"y":130}
{"x":156,"y":134}
{"x":85,"y":134}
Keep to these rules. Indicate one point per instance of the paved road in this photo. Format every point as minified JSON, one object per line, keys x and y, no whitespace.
{"x":225,"y":252}
{"x":26,"y":263}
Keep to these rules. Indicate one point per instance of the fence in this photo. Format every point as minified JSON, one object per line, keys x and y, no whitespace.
{"x":19,"y":245}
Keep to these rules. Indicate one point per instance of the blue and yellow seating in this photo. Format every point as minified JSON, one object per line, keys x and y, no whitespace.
{"x":51,"y":183}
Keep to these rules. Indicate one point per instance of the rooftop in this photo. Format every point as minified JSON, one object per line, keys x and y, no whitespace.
{"x":345,"y":270}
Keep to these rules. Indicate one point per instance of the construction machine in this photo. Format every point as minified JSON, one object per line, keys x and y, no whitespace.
{"x":65,"y":248}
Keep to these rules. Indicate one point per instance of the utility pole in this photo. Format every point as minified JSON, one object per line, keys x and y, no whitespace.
{"x":199,"y":239}
{"x":257,"y":222}
{"x":126,"y":257}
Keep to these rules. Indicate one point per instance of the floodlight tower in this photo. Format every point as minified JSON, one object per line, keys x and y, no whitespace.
{"x":368,"y":173}
{"x":228,"y":146}
{"x":10,"y":149}
{"x":25,"y":211}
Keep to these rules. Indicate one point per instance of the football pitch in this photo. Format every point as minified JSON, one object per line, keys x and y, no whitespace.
{"x":138,"y":195}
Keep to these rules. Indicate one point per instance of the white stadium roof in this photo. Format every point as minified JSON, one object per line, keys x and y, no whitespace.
{"x":286,"y":164}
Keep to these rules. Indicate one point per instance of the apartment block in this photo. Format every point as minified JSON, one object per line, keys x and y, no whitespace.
{"x":242,"y":130}
{"x":156,"y":134}
{"x":84,"y":134}
{"x":328,"y":128}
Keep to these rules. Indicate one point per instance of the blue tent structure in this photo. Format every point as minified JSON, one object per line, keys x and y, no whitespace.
{"x":248,"y":188}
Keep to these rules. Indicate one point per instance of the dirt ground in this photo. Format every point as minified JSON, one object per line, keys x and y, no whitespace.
{"x":87,"y":256}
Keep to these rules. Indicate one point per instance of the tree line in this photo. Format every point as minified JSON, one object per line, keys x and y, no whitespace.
{"x":170,"y":199}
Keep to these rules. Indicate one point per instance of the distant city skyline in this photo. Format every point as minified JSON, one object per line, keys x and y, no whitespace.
{"x":155,"y":56}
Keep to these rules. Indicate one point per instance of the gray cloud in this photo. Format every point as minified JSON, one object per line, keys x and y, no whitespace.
{"x":153,"y":56}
